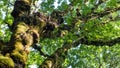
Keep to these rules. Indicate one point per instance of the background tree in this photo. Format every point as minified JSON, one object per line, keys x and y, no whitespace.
{"x":60,"y":33}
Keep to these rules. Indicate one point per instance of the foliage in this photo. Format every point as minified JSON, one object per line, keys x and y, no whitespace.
{"x":82,"y":56}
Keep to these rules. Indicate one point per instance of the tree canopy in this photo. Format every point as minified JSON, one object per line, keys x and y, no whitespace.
{"x":59,"y":33}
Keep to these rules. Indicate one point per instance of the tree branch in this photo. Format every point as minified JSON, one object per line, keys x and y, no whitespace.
{"x":103,"y":13}
{"x":96,"y":42}
{"x":62,"y":52}
{"x":39,"y":49}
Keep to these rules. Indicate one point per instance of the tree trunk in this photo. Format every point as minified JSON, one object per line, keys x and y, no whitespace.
{"x":26,"y":29}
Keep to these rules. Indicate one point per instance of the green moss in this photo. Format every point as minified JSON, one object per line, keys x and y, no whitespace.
{"x":18,"y":46}
{"x":22,"y":27}
{"x":20,"y":56}
{"x":6,"y":61}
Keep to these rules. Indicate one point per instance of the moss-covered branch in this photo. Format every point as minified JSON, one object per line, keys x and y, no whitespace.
{"x":96,"y":42}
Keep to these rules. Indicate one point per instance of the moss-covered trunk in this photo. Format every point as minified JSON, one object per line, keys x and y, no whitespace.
{"x":26,"y":29}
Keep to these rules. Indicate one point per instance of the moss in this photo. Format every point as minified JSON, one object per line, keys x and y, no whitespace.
{"x":6,"y":61}
{"x":21,"y":27}
{"x":18,"y":46}
{"x":27,"y":1}
{"x":47,"y":64}
{"x":20,"y":56}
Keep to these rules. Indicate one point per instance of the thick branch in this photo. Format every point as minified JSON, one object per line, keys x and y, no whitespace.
{"x":54,"y":59}
{"x":96,"y":42}
{"x":103,"y":13}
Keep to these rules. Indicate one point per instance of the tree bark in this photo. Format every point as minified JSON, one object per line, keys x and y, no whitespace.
{"x":26,"y":29}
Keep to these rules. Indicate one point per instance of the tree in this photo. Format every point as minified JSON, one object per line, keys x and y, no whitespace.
{"x":65,"y":29}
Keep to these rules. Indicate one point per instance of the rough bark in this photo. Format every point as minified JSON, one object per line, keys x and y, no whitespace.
{"x":26,"y":30}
